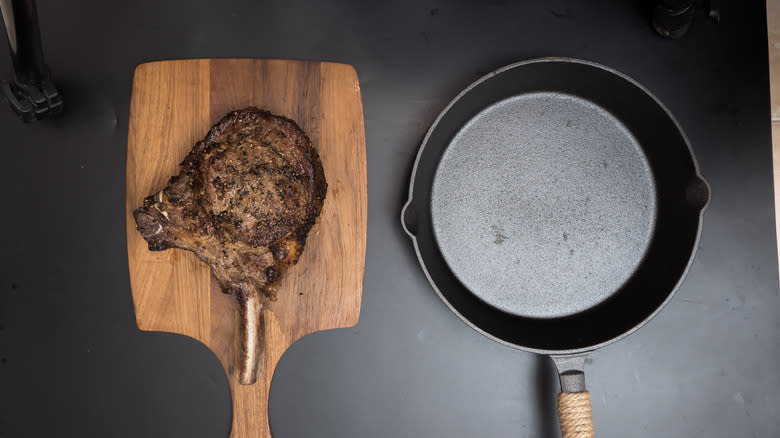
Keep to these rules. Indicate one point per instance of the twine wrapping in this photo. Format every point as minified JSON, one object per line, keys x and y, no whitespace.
{"x":574,"y":414}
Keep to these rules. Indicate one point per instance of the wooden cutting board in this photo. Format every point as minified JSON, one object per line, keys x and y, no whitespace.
{"x":173,"y":105}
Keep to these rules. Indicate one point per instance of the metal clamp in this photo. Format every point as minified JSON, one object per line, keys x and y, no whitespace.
{"x":31,"y":94}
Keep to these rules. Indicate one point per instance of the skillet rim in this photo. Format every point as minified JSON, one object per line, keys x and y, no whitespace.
{"x":410,"y":203}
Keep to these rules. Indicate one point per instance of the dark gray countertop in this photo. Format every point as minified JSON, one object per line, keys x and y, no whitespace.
{"x":74,"y":364}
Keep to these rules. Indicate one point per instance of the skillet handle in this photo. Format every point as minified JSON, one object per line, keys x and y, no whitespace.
{"x":574,"y":409}
{"x":574,"y":415}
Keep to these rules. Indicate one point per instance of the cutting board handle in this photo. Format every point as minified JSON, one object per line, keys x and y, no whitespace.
{"x":250,"y":402}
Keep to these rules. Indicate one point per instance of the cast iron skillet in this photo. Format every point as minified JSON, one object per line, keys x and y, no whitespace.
{"x":555,"y":206}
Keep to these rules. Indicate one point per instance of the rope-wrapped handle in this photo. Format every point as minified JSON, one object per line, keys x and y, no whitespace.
{"x":574,"y":414}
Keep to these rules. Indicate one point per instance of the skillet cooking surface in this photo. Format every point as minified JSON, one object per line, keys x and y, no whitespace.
{"x":543,"y":204}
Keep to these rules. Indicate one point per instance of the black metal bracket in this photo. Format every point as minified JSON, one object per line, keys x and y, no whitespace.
{"x":31,"y":94}
{"x":673,"y":18}
{"x":32,"y":102}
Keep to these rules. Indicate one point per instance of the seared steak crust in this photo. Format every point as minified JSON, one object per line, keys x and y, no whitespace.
{"x":244,"y":201}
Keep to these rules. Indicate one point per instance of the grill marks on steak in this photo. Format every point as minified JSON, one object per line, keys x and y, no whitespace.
{"x":244,"y":201}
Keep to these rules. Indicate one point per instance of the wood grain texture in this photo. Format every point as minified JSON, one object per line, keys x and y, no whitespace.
{"x":776,"y":179}
{"x":773,"y":36}
{"x":173,"y":105}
